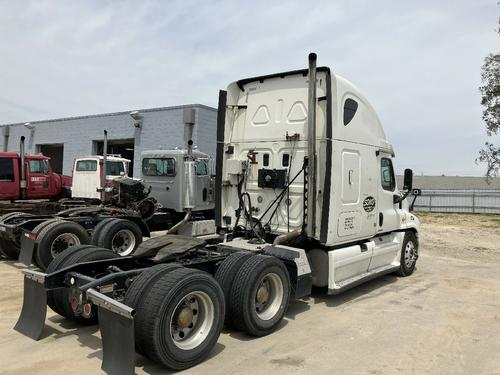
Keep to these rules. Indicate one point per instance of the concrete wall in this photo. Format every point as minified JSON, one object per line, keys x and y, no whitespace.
{"x":162,"y":128}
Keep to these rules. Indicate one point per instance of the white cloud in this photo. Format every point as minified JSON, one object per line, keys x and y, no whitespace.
{"x":418,"y":62}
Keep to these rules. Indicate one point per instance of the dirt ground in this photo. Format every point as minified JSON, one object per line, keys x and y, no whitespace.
{"x":444,"y":319}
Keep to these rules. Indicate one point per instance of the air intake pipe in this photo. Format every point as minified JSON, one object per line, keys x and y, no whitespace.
{"x":311,"y":148}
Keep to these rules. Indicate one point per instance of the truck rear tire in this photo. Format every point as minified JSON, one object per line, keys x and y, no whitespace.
{"x":57,"y":264}
{"x":98,"y":229}
{"x":183,"y":316}
{"x":226,"y":273}
{"x":57,"y":237}
{"x":61,"y":297}
{"x":138,"y":290}
{"x":120,"y":235}
{"x":37,"y":230}
{"x":409,"y":254}
{"x":259,"y":295}
{"x":11,"y":249}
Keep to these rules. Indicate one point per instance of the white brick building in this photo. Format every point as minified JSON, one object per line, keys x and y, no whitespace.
{"x":67,"y":138}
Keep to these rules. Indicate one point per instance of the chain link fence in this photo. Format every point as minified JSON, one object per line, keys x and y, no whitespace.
{"x":459,"y":201}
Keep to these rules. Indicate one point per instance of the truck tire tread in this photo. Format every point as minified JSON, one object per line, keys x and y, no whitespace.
{"x":243,"y":317}
{"x":226,"y":273}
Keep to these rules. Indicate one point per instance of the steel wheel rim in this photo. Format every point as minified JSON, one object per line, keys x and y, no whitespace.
{"x":62,"y":242}
{"x":269,"y":296}
{"x":189,"y":331}
{"x":410,"y":254}
{"x":123,"y":242}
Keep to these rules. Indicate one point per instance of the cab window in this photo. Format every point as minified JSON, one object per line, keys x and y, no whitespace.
{"x":201,"y":168}
{"x":158,"y":167}
{"x":86,"y":165}
{"x":39,"y":166}
{"x":114,"y":168}
{"x":6,"y":170}
{"x":387,"y":174}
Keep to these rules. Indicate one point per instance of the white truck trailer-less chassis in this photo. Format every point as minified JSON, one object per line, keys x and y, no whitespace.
{"x":305,"y":195}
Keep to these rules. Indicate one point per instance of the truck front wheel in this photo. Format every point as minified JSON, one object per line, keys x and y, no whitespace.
{"x":259,"y":295}
{"x":409,"y":254}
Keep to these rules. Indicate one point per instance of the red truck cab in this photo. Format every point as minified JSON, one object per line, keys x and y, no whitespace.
{"x":41,"y":181}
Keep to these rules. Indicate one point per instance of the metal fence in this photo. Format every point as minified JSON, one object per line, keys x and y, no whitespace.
{"x":463,"y":201}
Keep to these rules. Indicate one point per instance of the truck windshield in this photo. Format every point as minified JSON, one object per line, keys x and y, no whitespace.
{"x":39,"y":166}
{"x":6,"y":170}
{"x":158,"y":167}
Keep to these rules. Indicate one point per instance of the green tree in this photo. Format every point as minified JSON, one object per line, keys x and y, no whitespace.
{"x":490,"y":92}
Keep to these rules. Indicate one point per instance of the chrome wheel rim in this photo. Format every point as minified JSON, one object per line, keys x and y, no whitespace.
{"x":192,"y":320}
{"x":411,"y":253}
{"x":269,"y":296}
{"x":62,"y":242}
{"x":123,"y":242}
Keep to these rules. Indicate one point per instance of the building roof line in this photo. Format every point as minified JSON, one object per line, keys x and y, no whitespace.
{"x":109,"y":114}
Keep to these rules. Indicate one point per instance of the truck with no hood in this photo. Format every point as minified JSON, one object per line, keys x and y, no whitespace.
{"x":305,"y":195}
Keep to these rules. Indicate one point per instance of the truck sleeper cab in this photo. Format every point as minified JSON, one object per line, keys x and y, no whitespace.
{"x":304,"y":195}
{"x":359,"y":221}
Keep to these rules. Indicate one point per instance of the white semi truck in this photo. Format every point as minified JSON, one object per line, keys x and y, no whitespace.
{"x":305,"y":195}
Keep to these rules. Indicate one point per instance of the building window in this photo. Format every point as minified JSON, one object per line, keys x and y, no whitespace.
{"x":86,"y":165}
{"x":6,"y":169}
{"x":350,"y":108}
{"x":158,"y":167}
{"x":387,"y":174}
{"x":39,"y":166}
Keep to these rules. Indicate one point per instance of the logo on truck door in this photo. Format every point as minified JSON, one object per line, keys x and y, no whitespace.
{"x":369,"y":204}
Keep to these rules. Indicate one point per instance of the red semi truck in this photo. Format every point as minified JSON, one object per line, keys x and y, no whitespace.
{"x":30,"y":177}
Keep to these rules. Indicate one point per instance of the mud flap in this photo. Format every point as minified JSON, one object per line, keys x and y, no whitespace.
{"x":28,"y":241}
{"x":118,"y":345}
{"x":32,"y":319}
{"x":116,"y":323}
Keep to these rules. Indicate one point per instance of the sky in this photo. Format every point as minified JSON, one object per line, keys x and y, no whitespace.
{"x":417,"y":62}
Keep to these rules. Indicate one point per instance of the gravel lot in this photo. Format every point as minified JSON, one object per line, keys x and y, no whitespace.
{"x":445,"y":319}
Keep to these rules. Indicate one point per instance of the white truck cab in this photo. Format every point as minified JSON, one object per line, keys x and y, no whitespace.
{"x":311,"y":165}
{"x":87,"y":173}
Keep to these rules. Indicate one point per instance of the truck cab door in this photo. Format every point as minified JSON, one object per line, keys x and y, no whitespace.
{"x":203,"y":184}
{"x":385,"y":249}
{"x":39,"y":181}
{"x":9,"y":179}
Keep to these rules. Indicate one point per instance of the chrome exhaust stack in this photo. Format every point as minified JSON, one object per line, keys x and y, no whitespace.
{"x":22,"y":182}
{"x":189,"y":171}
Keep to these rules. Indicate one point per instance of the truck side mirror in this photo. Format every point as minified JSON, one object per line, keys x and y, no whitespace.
{"x":408,"y":180}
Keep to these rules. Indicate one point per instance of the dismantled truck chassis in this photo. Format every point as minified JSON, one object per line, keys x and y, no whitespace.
{"x":120,"y":226}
